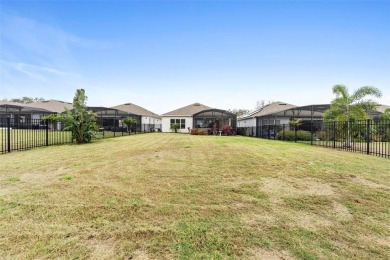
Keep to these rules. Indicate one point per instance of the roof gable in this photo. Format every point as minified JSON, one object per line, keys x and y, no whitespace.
{"x":55,"y":106}
{"x":189,"y":110}
{"x":136,"y":110}
{"x":271,"y":108}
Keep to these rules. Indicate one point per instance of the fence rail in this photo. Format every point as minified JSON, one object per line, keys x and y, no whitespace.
{"x":367,"y":136}
{"x":17,"y":135}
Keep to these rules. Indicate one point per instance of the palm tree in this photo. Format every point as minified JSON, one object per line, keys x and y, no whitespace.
{"x":174,"y":127}
{"x":129,"y":121}
{"x":349,"y":107}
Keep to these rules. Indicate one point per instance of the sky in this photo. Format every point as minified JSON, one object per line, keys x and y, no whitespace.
{"x":163,"y":55}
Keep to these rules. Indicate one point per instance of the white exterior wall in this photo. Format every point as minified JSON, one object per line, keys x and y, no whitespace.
{"x":150,"y":120}
{"x":249,"y":122}
{"x":36,"y":116}
{"x":166,"y":123}
{"x":283,"y":120}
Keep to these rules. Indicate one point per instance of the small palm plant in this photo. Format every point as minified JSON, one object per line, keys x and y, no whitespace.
{"x":129,"y":121}
{"x":174,"y":127}
{"x":294,"y":124}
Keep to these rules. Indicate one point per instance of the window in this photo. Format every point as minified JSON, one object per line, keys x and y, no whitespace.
{"x":180,"y":122}
{"x":271,"y":122}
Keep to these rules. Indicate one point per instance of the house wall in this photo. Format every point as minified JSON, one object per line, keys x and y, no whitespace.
{"x":166,"y":123}
{"x":272,"y":120}
{"x":249,"y":122}
{"x":150,"y":120}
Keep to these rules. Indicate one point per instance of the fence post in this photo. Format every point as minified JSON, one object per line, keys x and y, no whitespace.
{"x":311,"y":131}
{"x":9,"y":134}
{"x":334,"y":134}
{"x":283,"y":133}
{"x":295,"y":132}
{"x":368,"y":135}
{"x":47,"y":132}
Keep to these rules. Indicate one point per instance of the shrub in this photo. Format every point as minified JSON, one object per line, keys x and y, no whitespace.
{"x":80,"y":121}
{"x":199,"y":131}
{"x":325,"y":136}
{"x":290,"y":135}
{"x":175,"y":127}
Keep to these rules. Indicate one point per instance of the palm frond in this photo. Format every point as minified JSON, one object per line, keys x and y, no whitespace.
{"x":341,"y":91}
{"x":362,"y":92}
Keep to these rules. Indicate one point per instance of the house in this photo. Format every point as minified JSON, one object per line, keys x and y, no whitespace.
{"x":52,"y":105}
{"x":267,"y":114}
{"x":145,"y":118}
{"x":268,"y":119}
{"x":21,"y":115}
{"x":198,"y":116}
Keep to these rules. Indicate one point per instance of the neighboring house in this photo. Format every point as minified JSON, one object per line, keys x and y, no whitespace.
{"x":19,"y":111}
{"x":379,"y":110}
{"x":268,"y":119}
{"x":268,"y":114}
{"x":146,"y":118}
{"x":52,"y":105}
{"x":198,"y":116}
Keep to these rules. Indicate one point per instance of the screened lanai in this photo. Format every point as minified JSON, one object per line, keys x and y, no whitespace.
{"x":111,"y":119}
{"x":214,"y":119}
{"x":20,"y":113}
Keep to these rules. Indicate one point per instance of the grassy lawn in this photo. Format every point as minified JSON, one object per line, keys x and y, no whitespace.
{"x":193,"y":197}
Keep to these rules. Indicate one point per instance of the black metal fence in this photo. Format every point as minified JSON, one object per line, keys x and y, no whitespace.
{"x":19,"y":135}
{"x":366,"y":136}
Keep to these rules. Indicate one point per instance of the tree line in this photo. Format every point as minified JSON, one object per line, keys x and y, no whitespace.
{"x":24,"y":100}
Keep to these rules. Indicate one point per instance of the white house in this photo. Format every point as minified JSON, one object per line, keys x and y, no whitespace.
{"x":198,"y":116}
{"x":268,"y":115}
{"x":146,"y":118}
{"x":182,"y":116}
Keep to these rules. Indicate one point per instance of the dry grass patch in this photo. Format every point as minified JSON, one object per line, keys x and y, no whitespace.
{"x":164,"y":196}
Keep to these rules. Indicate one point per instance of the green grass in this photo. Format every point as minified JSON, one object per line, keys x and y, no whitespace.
{"x":193,"y":197}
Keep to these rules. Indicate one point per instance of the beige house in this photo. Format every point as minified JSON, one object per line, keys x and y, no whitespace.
{"x":198,"y":116}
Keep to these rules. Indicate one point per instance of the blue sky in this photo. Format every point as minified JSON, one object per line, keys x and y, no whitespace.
{"x":166,"y":54}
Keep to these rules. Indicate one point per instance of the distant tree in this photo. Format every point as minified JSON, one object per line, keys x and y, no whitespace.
{"x":25,"y":100}
{"x":386,"y":114}
{"x":262,"y":103}
{"x":239,"y":112}
{"x":80,"y":121}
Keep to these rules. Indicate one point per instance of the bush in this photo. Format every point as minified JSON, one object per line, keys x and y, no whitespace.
{"x":325,"y":136}
{"x":199,"y":131}
{"x":290,"y":135}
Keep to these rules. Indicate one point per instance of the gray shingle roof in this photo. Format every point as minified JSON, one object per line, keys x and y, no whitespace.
{"x":136,"y":110}
{"x":187,"y":110}
{"x":382,"y":108}
{"x":272,"y":108}
{"x":14,"y":107}
{"x":55,"y":106}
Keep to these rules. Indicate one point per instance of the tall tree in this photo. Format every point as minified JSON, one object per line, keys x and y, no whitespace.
{"x":350,"y":107}
{"x":262,"y":103}
{"x":80,"y":121}
{"x":347,"y":107}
